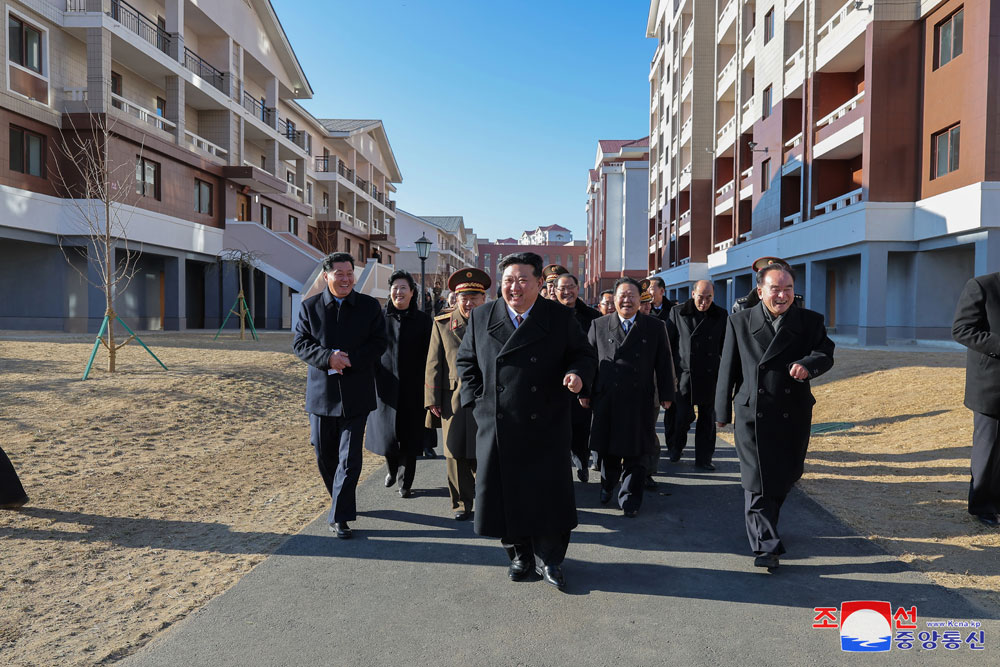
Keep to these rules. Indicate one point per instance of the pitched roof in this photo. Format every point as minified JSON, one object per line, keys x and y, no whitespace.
{"x":449,"y":223}
{"x":593,"y":175}
{"x":553,"y":228}
{"x":344,"y":127}
{"x":347,"y":124}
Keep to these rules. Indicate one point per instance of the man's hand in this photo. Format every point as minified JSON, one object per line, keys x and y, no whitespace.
{"x":666,"y":404}
{"x":435,"y":410}
{"x":339,"y":361}
{"x":585,"y":402}
{"x":573,"y":382}
{"x":799,"y":372}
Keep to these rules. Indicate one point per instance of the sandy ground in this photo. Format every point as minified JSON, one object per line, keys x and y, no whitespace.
{"x":153,"y":491}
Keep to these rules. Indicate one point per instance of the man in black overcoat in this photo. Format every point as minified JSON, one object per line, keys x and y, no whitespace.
{"x":751,"y":299}
{"x":771,"y":353}
{"x":701,"y":329}
{"x":634,"y":364}
{"x":660,"y":309}
{"x":567,"y":292}
{"x":521,"y":360}
{"x":977,"y":327}
{"x":341,"y":334}
{"x":12,"y":494}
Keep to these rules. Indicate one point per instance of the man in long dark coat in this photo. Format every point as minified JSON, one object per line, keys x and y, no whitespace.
{"x":660,"y":309}
{"x":633,"y":365}
{"x":520,"y":362}
{"x":12,"y":494}
{"x":567,"y":293}
{"x":752,"y":299}
{"x":771,"y":352}
{"x":442,"y":397}
{"x":341,"y":335}
{"x":977,"y":327}
{"x":701,"y":329}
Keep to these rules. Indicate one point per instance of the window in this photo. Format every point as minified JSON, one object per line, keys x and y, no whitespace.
{"x":147,"y":178}
{"x":293,"y":224}
{"x":765,"y":175}
{"x":948,"y":36}
{"x":161,"y":107}
{"x":27,"y":151}
{"x":769,"y":25}
{"x":347,"y":246}
{"x":944,"y":149}
{"x":116,"y":89}
{"x":24,"y":44}
{"x":202,"y":196}
{"x":765,"y":103}
{"x":263,"y":162}
{"x":265,"y":216}
{"x":290,"y":177}
{"x":309,"y":193}
{"x":289,"y":129}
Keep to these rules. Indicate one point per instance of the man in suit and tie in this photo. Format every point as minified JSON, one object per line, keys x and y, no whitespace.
{"x":771,"y":353}
{"x":341,"y":334}
{"x":977,"y":327}
{"x":633,"y":365}
{"x":520,"y":362}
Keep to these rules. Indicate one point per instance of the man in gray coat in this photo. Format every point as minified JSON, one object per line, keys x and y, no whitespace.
{"x":771,"y":353}
{"x":977,"y":327}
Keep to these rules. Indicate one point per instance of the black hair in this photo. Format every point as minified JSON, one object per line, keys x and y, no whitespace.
{"x":400,"y":274}
{"x":529,"y":258}
{"x":568,"y":275}
{"x":659,"y":281}
{"x":608,"y":291}
{"x":626,"y":280}
{"x":774,"y":267}
{"x":335,"y":258}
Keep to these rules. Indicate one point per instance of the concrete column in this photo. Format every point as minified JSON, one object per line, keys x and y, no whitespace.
{"x":230,"y":289}
{"x":271,"y":146}
{"x":271,"y":95}
{"x":273,"y":304}
{"x":815,"y":287}
{"x":988,"y":252}
{"x":175,"y":277}
{"x":213,"y":296}
{"x":98,"y":70}
{"x":175,"y":106}
{"x":175,"y":26}
{"x":871,"y":304}
{"x":300,"y":176}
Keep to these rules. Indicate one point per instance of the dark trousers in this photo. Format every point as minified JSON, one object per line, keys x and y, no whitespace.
{"x":670,"y":424}
{"x":984,"y":489}
{"x":461,"y":482}
{"x":409,"y":463}
{"x":762,"y":522}
{"x":338,"y":442}
{"x":634,"y":469}
{"x":10,"y":485}
{"x":651,"y":460}
{"x":542,"y":549}
{"x":580,"y":441}
{"x":704,"y":433}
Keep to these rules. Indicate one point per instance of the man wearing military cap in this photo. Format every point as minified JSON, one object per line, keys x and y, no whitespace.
{"x":551,"y":274}
{"x":645,"y":299}
{"x":751,"y":299}
{"x":441,"y":389}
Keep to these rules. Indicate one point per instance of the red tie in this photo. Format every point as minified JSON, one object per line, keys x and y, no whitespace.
{"x":518,"y":319}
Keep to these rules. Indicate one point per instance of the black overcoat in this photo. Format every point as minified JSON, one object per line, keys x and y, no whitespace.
{"x":773,"y":411}
{"x":977,"y":327}
{"x":584,"y":315}
{"x":699,"y":343}
{"x":631,"y":370}
{"x":358,"y":328}
{"x":513,"y":377}
{"x":397,"y":423}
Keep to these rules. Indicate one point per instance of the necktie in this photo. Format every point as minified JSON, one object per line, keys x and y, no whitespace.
{"x":626,"y":324}
{"x":518,"y":319}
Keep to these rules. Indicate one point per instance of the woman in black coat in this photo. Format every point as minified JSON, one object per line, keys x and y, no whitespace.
{"x":395,"y":428}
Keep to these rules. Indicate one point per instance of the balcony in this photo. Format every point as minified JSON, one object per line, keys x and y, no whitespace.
{"x":688,"y":39}
{"x":202,"y":144}
{"x":298,"y":137}
{"x":792,"y":158}
{"x":686,"y":131}
{"x":724,"y":245}
{"x":727,"y":77}
{"x":793,"y":219}
{"x":839,"y":134}
{"x":132,"y":20}
{"x":792,"y":6}
{"x":746,"y":116}
{"x":843,"y":201}
{"x":295,"y":190}
{"x":727,"y":17}
{"x":201,"y":67}
{"x":726,"y":136}
{"x":748,"y":51}
{"x":257,"y":109}
{"x":746,"y":183}
{"x":795,"y":70}
{"x":684,"y":223}
{"x":142,"y":113}
{"x":840,"y":42}
{"x":686,"y":85}
{"x":724,"y":198}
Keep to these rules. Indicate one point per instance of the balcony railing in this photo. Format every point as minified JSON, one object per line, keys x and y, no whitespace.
{"x":204,"y":144}
{"x":724,"y":245}
{"x":391,"y":203}
{"x":728,"y":14}
{"x":794,"y":141}
{"x":793,"y":219}
{"x":361,"y":183}
{"x":688,"y":38}
{"x":727,"y":188}
{"x":837,"y":19}
{"x":200,"y":66}
{"x":841,"y":111}
{"x":843,"y":201}
{"x":727,"y":70}
{"x":344,"y":216}
{"x":134,"y":20}
{"x":264,"y":113}
{"x":796,"y":58}
{"x":142,"y":113}
{"x":728,"y":127}
{"x":295,"y":190}
{"x":344,"y":171}
{"x":747,"y":107}
{"x":322,"y":163}
{"x":297,"y":137}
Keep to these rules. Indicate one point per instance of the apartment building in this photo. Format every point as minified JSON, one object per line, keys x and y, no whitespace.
{"x":453,"y":246}
{"x":202,"y":103}
{"x":837,"y":144}
{"x":616,"y":214}
{"x":572,"y":255}
{"x":546,"y":235}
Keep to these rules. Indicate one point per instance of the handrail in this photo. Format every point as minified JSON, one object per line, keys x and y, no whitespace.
{"x":205,"y":145}
{"x":143,"y":114}
{"x":800,"y":53}
{"x":747,"y":173}
{"x":843,"y":201}
{"x":724,"y":245}
{"x":201,"y":67}
{"x":137,"y":22}
{"x":725,"y":10}
{"x":731,"y":65}
{"x":263,"y":113}
{"x":728,"y":186}
{"x":839,"y":16}
{"x":793,"y":219}
{"x":794,"y":141}
{"x":842,"y":110}
{"x":730,"y":125}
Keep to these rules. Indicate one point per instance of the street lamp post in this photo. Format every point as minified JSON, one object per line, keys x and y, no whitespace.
{"x":423,"y":250}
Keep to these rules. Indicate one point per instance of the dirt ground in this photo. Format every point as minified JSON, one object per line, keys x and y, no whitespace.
{"x":154,"y":491}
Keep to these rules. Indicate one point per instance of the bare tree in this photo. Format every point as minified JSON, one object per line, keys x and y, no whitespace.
{"x":243,"y":259}
{"x":325,"y":238}
{"x":102,"y":195}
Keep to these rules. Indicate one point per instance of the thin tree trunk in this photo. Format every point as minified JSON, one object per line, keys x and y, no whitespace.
{"x":241,"y":303}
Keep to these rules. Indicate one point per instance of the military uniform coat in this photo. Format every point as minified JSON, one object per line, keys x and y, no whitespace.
{"x":441,"y":387}
{"x":699,"y":350}
{"x":631,"y":369}
{"x":513,"y":377}
{"x":398,"y":419}
{"x":771,"y":412}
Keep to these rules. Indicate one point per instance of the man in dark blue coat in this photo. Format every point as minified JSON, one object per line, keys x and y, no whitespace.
{"x":341,"y":334}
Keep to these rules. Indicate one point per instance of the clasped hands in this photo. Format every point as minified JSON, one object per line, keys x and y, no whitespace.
{"x":339,"y":361}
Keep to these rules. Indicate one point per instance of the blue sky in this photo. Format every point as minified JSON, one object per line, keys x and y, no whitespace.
{"x":493,"y":109}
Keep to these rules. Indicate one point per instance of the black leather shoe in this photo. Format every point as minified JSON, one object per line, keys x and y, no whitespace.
{"x":518,"y":570}
{"x":552,"y":574}
{"x":631,"y":514}
{"x":770,"y":561}
{"x":675,"y":456}
{"x":991,"y":520}
{"x":405,"y":493}
{"x":390,"y":479}
{"x":464,"y":515}
{"x":429,"y":453}
{"x":15,"y":504}
{"x":705,"y":466}
{"x":583,"y":474}
{"x":605,"y":497}
{"x":343,"y":531}
{"x":650,"y":483}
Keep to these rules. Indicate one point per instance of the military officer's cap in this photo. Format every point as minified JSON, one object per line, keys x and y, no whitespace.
{"x":645,"y":295}
{"x":553,"y":271}
{"x":469,"y":279}
{"x":761,"y":262}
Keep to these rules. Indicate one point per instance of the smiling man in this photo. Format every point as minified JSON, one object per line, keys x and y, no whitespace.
{"x":521,"y":361}
{"x":770,"y":353}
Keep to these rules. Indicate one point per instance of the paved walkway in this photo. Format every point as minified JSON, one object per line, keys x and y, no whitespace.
{"x":674,"y":586}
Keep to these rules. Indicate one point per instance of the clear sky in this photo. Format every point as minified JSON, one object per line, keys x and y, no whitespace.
{"x":493,"y":108}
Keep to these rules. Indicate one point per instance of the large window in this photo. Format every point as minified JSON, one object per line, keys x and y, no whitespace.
{"x":765,"y":175}
{"x":24,"y":44}
{"x":202,"y":196}
{"x":944,"y":151}
{"x":293,"y":224}
{"x":769,"y":25}
{"x":147,"y":178}
{"x":27,"y":152}
{"x":265,"y":216}
{"x":116,"y":89}
{"x":765,"y":103}
{"x":949,"y":38}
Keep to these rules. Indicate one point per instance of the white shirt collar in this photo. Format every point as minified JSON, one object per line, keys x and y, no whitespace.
{"x":512,"y":314}
{"x":630,"y":320}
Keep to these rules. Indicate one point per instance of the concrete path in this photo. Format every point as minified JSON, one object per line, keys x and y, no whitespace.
{"x":674,"y":586}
